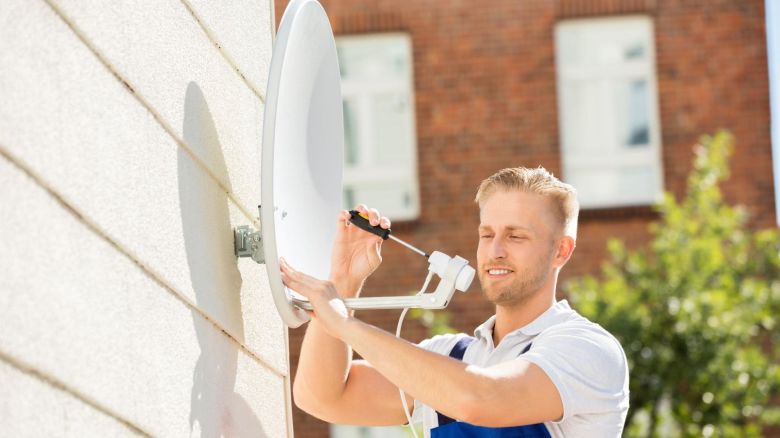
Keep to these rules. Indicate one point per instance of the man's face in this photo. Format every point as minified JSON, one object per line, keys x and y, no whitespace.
{"x":517,"y":245}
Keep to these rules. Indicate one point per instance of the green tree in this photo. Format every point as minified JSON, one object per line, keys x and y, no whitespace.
{"x":696,"y":311}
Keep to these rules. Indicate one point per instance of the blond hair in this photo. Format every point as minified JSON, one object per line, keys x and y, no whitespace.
{"x":538,"y":181}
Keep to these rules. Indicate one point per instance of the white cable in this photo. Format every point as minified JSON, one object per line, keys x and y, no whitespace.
{"x":398,"y":335}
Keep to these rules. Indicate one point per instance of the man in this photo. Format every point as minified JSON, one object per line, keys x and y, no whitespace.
{"x":535,"y":369}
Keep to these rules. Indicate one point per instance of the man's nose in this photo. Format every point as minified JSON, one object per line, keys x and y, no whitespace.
{"x":497,"y":250}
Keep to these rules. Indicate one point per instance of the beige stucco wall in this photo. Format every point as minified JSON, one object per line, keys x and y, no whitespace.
{"x":130,"y":137}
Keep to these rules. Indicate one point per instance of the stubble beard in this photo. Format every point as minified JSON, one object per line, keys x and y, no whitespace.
{"x":525,"y":285}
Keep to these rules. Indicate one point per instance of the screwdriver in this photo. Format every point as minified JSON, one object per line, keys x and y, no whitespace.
{"x":362,"y":222}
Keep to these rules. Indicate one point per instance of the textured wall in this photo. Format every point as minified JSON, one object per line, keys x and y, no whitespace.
{"x":485,"y":96}
{"x":129,"y":148}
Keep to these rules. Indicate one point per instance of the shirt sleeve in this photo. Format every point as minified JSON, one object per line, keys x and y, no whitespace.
{"x":441,"y":344}
{"x":587,"y":366}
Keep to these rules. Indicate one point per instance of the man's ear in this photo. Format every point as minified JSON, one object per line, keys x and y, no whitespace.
{"x":563,"y":251}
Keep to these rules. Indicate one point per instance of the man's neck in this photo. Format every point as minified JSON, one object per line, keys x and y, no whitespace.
{"x":511,"y":318}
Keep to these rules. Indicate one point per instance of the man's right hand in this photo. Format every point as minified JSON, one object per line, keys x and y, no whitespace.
{"x":356,"y":253}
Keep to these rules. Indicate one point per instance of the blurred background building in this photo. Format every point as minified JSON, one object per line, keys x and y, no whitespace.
{"x":610,"y":95}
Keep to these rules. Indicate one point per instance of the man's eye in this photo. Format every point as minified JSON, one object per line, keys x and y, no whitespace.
{"x":485,"y":236}
{"x":517,"y":237}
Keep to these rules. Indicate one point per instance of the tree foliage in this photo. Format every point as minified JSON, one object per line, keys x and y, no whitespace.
{"x":696,"y":311}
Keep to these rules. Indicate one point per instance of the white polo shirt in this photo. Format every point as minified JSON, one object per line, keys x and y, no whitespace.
{"x":584,"y":361}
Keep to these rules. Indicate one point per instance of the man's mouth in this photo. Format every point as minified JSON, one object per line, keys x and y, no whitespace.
{"x":498,"y":272}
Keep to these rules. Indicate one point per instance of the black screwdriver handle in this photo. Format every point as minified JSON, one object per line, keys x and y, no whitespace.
{"x":363,"y":223}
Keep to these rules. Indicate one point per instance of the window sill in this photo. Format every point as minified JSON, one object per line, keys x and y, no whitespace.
{"x":618,"y":213}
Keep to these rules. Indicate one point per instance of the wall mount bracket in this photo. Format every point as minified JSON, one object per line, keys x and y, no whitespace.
{"x":248,"y":242}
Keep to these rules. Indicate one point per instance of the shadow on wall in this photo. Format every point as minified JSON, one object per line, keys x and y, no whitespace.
{"x":215,"y":410}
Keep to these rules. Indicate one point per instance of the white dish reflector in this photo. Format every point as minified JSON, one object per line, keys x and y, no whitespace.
{"x":302,"y":157}
{"x":302,"y":164}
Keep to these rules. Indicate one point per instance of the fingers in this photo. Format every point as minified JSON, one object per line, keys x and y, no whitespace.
{"x":374,"y":218}
{"x":343,"y":217}
{"x":292,"y":278}
{"x":361,"y":208}
{"x":287,"y":273}
{"x":300,"y":282}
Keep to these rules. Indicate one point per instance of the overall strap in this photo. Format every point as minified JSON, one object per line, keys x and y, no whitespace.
{"x":457,"y":352}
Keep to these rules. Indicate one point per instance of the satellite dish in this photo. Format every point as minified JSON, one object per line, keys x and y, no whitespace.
{"x":302,"y":164}
{"x":303,"y":148}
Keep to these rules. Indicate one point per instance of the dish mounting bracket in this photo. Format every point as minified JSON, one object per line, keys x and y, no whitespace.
{"x":248,"y":242}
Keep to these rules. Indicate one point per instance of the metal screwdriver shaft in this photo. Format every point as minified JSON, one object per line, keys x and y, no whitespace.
{"x":362,"y":222}
{"x":417,"y":250}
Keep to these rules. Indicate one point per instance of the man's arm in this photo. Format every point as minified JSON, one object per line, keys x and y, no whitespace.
{"x":334,"y":388}
{"x":512,"y":393}
{"x":328,"y":383}
{"x":509,"y":394}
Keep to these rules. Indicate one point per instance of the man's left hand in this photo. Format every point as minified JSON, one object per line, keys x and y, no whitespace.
{"x":329,"y":309}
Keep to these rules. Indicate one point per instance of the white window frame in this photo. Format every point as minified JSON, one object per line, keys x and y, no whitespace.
{"x":368,"y":171}
{"x":607,"y":76}
{"x":773,"y":49}
{"x":348,"y":431}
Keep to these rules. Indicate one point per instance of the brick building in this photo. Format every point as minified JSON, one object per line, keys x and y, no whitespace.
{"x":489,"y":91}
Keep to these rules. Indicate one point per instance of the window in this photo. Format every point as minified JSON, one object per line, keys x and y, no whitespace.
{"x":380,"y":166}
{"x":608,"y":110}
{"x":343,"y":431}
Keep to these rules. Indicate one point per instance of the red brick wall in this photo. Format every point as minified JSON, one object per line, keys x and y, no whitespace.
{"x":485,"y":99}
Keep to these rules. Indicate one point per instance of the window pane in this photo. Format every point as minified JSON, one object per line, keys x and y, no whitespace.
{"x":393,"y":199}
{"x":373,"y":58}
{"x":637,"y":180}
{"x":632,"y":113}
{"x":349,"y":198}
{"x":351,"y":135}
{"x":392,"y":136}
{"x":612,"y":42}
{"x":634,"y":51}
{"x":585,"y":112}
{"x":344,"y":431}
{"x":604,"y":187}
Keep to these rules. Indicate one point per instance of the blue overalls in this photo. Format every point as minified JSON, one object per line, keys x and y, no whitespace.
{"x":451,"y":428}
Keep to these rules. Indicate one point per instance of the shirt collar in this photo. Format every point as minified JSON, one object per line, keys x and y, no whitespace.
{"x":555,"y":314}
{"x":485,"y":330}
